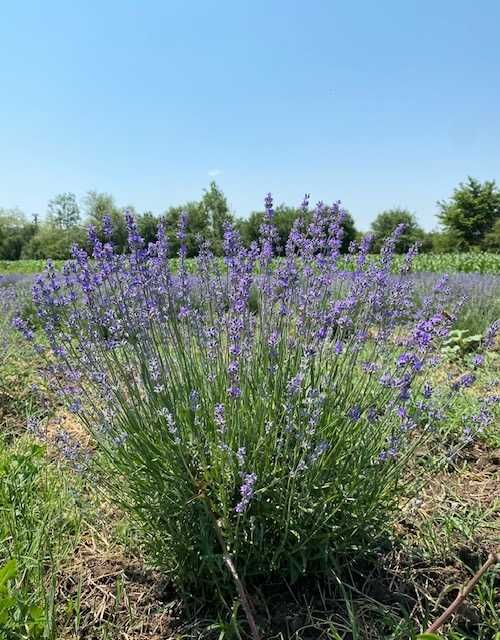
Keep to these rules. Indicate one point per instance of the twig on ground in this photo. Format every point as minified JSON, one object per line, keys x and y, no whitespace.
{"x":493,"y":559}
{"x":234,"y":574}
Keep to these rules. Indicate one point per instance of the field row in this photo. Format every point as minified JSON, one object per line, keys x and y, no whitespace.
{"x":480,"y":262}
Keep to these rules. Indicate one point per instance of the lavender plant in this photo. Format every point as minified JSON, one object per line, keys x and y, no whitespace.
{"x":256,"y":417}
{"x":479,"y":295}
{"x":15,"y":380}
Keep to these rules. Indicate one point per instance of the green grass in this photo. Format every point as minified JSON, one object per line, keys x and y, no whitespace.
{"x":472,"y":262}
{"x":480,"y":262}
{"x":22,"y":388}
{"x":39,"y":524}
{"x":25,"y":266}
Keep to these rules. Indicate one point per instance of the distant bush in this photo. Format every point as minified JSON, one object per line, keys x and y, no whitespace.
{"x":491,"y":240}
{"x":51,"y":242}
{"x":15,"y":233}
{"x":388,"y":220}
{"x":471,"y":213}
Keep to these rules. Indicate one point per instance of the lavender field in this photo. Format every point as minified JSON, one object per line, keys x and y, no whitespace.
{"x":247,"y":446}
{"x":249,"y":320}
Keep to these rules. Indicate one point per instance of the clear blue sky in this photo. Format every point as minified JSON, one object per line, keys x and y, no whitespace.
{"x":377,"y":103}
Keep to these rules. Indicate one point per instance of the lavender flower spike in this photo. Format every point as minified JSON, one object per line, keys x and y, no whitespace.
{"x":246,"y":491}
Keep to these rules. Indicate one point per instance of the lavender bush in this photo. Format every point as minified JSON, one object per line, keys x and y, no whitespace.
{"x":477,"y":294}
{"x":20,"y":395}
{"x":254,"y":419}
{"x":14,"y":294}
{"x":14,"y":300}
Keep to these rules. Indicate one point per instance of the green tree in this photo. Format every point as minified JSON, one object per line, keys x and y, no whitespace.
{"x":492,"y":238}
{"x":471,"y":212}
{"x":443,"y":242}
{"x":97,"y":206}
{"x":197,"y":226}
{"x":15,"y":233}
{"x":51,"y":242}
{"x":385,"y":223}
{"x":63,"y":211}
{"x":427,"y":241}
{"x":249,"y":227}
{"x":147,"y":223}
{"x":350,"y":233}
{"x":216,"y":210}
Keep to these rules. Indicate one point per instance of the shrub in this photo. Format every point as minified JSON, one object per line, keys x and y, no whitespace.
{"x":255,"y":419}
{"x":53,"y":242}
{"x":388,"y":220}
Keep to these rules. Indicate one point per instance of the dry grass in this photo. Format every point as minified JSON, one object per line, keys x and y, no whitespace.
{"x":112,"y":593}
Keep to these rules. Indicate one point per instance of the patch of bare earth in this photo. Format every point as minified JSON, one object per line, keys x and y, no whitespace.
{"x":106,"y":590}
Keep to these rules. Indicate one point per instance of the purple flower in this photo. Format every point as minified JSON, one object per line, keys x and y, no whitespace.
{"x":467,"y":435}
{"x":388,"y":454}
{"x":246,"y":491}
{"x":75,"y":406}
{"x":386,"y":380}
{"x":370,"y":367}
{"x":219,"y":416}
{"x":240,"y":456}
{"x":194,"y":400}
{"x":182,"y":234}
{"x":491,"y":334}
{"x":354,"y":413}
{"x":295,"y":383}
{"x":22,"y":326}
{"x":183,"y":312}
{"x":318,"y":451}
{"x":135,"y":241}
{"x":107,"y":227}
{"x":478,"y":360}
{"x":309,"y":342}
{"x":233,"y":368}
{"x":464,"y":381}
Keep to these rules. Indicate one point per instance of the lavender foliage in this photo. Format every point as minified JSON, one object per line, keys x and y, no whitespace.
{"x":278,"y":399}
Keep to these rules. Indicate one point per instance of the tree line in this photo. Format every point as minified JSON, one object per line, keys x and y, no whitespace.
{"x":469,"y":221}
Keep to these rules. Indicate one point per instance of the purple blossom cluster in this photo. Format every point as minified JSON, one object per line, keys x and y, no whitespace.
{"x":246,"y":492}
{"x":14,"y":298}
{"x":250,"y":378}
{"x":113,"y":303}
